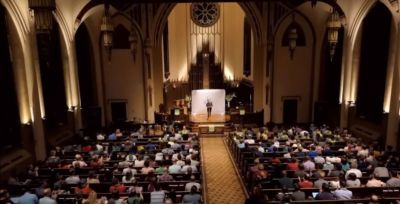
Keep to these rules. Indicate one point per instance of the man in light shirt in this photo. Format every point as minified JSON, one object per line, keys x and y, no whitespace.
{"x":308,"y":164}
{"x":192,"y":182}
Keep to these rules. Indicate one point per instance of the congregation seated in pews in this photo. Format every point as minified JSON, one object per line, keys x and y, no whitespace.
{"x":313,"y":165}
{"x":123,"y":167}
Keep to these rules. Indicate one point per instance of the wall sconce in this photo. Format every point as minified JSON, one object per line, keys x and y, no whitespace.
{"x":133,"y":41}
{"x":107,"y":30}
{"x":333,"y":32}
{"x":292,"y":41}
{"x":28,"y":123}
{"x":72,"y":108}
{"x":351,"y":103}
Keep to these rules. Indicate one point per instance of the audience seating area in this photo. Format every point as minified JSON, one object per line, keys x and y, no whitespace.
{"x":102,"y":164}
{"x":268,"y":160}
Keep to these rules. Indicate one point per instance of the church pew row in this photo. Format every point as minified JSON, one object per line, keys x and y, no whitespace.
{"x":386,"y":200}
{"x":358,"y":192}
{"x":73,"y":198}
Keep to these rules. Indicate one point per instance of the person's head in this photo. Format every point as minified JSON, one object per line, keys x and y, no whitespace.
{"x":146,"y":163}
{"x":115,"y":181}
{"x":352,"y":177}
{"x":325,"y":187}
{"x":47,"y":192}
{"x":92,"y":197}
{"x":193,"y":190}
{"x":168,"y":201}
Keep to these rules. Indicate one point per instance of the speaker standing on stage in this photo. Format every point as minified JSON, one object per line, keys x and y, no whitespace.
{"x":209,"y":107}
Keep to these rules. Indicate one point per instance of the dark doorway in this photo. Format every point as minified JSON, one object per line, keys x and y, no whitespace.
{"x":290,"y":111}
{"x":118,"y":111}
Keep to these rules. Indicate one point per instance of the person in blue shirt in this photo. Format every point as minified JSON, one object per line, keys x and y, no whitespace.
{"x":112,"y":136}
{"x":28,"y":198}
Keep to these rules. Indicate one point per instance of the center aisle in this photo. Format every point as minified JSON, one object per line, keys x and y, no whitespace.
{"x":222,"y":183}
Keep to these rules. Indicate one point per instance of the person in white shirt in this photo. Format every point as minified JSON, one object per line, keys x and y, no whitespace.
{"x":192,"y":182}
{"x":139,"y":162}
{"x":79,"y":161}
{"x":129,"y":169}
{"x":174,"y":168}
{"x":353,"y":170}
{"x":188,"y":165}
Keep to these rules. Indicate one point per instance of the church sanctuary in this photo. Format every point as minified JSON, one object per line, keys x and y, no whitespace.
{"x":199,"y":101}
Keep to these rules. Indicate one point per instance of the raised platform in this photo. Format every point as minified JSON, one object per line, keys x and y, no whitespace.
{"x":214,"y":126}
{"x":214,"y":118}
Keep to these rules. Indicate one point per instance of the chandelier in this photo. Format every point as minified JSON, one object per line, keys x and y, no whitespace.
{"x":333,"y":32}
{"x":107,"y":29}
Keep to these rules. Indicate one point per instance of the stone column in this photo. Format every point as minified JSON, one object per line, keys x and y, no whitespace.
{"x":393,"y":117}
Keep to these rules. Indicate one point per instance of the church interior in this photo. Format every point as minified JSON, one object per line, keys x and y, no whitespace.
{"x":248,"y":101}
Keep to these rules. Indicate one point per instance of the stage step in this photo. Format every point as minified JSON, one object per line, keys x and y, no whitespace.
{"x":212,"y":135}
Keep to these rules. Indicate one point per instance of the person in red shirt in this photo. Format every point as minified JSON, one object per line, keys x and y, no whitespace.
{"x":305,"y":183}
{"x":293,"y":165}
{"x":87,"y":148}
{"x":275,"y":160}
{"x":83,"y":188}
{"x":116,"y":186}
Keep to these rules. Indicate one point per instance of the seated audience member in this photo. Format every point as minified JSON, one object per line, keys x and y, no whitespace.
{"x":342,"y":193}
{"x":53,"y":159}
{"x":157,"y":196}
{"x":174,"y":168}
{"x":261,"y":173}
{"x":293,"y":165}
{"x":394,"y":180}
{"x":82,"y":188}
{"x":134,"y":198}
{"x":375,"y":182}
{"x":93,"y":178}
{"x":118,"y":133}
{"x":305,"y":182}
{"x":78,"y":162}
{"x":353,"y":181}
{"x":194,"y":197}
{"x":146,"y":169}
{"x":130,"y":169}
{"x":286,"y":181}
{"x":116,"y":186}
{"x":297,"y":194}
{"x":381,"y":171}
{"x":100,"y":136}
{"x":283,"y":195}
{"x":47,"y":199}
{"x":353,"y":170}
{"x":112,"y":137}
{"x":256,"y":196}
{"x":28,"y":198}
{"x":189,"y":165}
{"x":192,"y":183}
{"x":374,"y":199}
{"x":115,"y":198}
{"x":139,"y":162}
{"x":165,"y":177}
{"x":325,"y":193}
{"x":128,"y":178}
{"x":320,"y":181}
{"x":73,"y":178}
{"x":135,"y":187}
{"x":308,"y":164}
